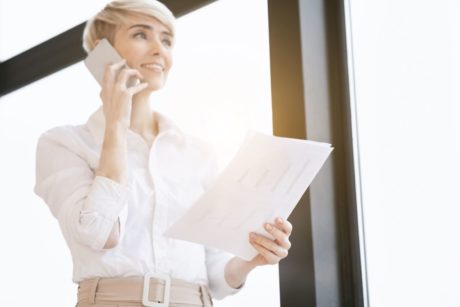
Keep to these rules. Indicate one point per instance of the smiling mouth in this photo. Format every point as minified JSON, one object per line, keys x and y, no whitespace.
{"x":154,"y":67}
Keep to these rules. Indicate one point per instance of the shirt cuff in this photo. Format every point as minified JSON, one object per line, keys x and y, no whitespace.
{"x":220,"y":285}
{"x":107,"y":199}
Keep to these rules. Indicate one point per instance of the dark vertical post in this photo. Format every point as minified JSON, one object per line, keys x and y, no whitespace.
{"x":310,"y":100}
{"x":297,"y":273}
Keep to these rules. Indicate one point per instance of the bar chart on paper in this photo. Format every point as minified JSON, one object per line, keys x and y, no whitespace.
{"x":266,"y":178}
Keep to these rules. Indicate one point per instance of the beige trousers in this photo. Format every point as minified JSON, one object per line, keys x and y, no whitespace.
{"x":124,"y":292}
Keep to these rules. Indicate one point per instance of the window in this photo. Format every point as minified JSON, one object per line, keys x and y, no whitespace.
{"x":404,"y":59}
{"x":24,"y":25}
{"x":222,"y":70}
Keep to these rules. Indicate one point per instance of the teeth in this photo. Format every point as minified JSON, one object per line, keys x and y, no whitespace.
{"x":154,"y":66}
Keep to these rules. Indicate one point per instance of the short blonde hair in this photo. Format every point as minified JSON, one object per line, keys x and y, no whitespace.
{"x":106,"y":22}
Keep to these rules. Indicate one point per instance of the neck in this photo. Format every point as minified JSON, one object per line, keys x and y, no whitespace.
{"x":142,"y":120}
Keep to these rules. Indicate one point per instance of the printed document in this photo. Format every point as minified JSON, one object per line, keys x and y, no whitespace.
{"x":266,"y":179}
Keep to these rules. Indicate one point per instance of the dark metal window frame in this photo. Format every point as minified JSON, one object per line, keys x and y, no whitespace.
{"x":310,"y":100}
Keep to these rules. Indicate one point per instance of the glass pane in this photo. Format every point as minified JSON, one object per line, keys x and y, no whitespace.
{"x":218,"y":88}
{"x":26,"y":24}
{"x":406,"y":65}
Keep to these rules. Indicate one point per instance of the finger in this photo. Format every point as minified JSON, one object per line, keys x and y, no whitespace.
{"x":268,"y":255}
{"x":284,"y":225}
{"x":138,"y":88}
{"x":280,"y":237}
{"x":110,"y":72}
{"x":125,"y":74}
{"x":269,"y":245}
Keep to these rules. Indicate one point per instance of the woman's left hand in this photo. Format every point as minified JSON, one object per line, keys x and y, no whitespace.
{"x":271,"y":251}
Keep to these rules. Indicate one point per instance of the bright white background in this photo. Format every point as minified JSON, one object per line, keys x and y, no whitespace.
{"x":218,"y":88}
{"x":406,"y":68}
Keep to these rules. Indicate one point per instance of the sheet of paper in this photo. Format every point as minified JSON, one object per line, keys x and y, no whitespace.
{"x":266,"y":178}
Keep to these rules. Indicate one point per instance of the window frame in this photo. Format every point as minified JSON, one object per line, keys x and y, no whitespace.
{"x":310,"y":99}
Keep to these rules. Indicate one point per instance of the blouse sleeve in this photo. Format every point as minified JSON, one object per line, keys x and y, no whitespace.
{"x":85,"y":206}
{"x":216,"y":260}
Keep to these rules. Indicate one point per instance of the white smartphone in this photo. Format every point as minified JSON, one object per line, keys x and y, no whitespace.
{"x":102,"y":55}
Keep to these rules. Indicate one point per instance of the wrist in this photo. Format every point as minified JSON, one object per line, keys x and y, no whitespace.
{"x":115,"y":135}
{"x":116,"y":127}
{"x":236,"y":271}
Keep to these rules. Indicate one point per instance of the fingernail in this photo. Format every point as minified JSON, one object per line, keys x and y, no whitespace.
{"x":279,"y":220}
{"x":268,"y":226}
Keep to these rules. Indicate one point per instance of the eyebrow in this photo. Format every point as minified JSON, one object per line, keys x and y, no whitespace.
{"x":148,"y":27}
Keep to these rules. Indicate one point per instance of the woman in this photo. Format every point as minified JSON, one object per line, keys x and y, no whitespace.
{"x":118,"y":182}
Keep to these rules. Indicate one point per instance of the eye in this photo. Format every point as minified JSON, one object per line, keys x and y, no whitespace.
{"x":140,"y":35}
{"x":167,"y":42}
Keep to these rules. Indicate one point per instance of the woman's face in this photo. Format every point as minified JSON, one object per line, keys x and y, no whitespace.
{"x":146,"y":44}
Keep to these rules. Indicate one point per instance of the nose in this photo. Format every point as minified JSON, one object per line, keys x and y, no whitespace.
{"x":156,"y":47}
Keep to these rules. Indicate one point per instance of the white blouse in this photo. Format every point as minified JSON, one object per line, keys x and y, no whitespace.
{"x":163,"y":183}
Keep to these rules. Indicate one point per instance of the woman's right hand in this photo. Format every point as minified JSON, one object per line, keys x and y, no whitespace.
{"x":116,"y":95}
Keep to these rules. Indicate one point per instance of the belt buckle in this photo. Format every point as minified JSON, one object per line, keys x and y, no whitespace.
{"x":166,"y":295}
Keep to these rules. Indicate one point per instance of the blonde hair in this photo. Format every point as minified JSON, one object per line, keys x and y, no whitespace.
{"x":106,"y":22}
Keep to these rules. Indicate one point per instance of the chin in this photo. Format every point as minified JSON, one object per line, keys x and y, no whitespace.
{"x":155,"y":86}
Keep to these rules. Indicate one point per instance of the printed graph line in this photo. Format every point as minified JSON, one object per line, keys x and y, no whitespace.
{"x":298,"y":176}
{"x":262,"y":177}
{"x":277,"y":183}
